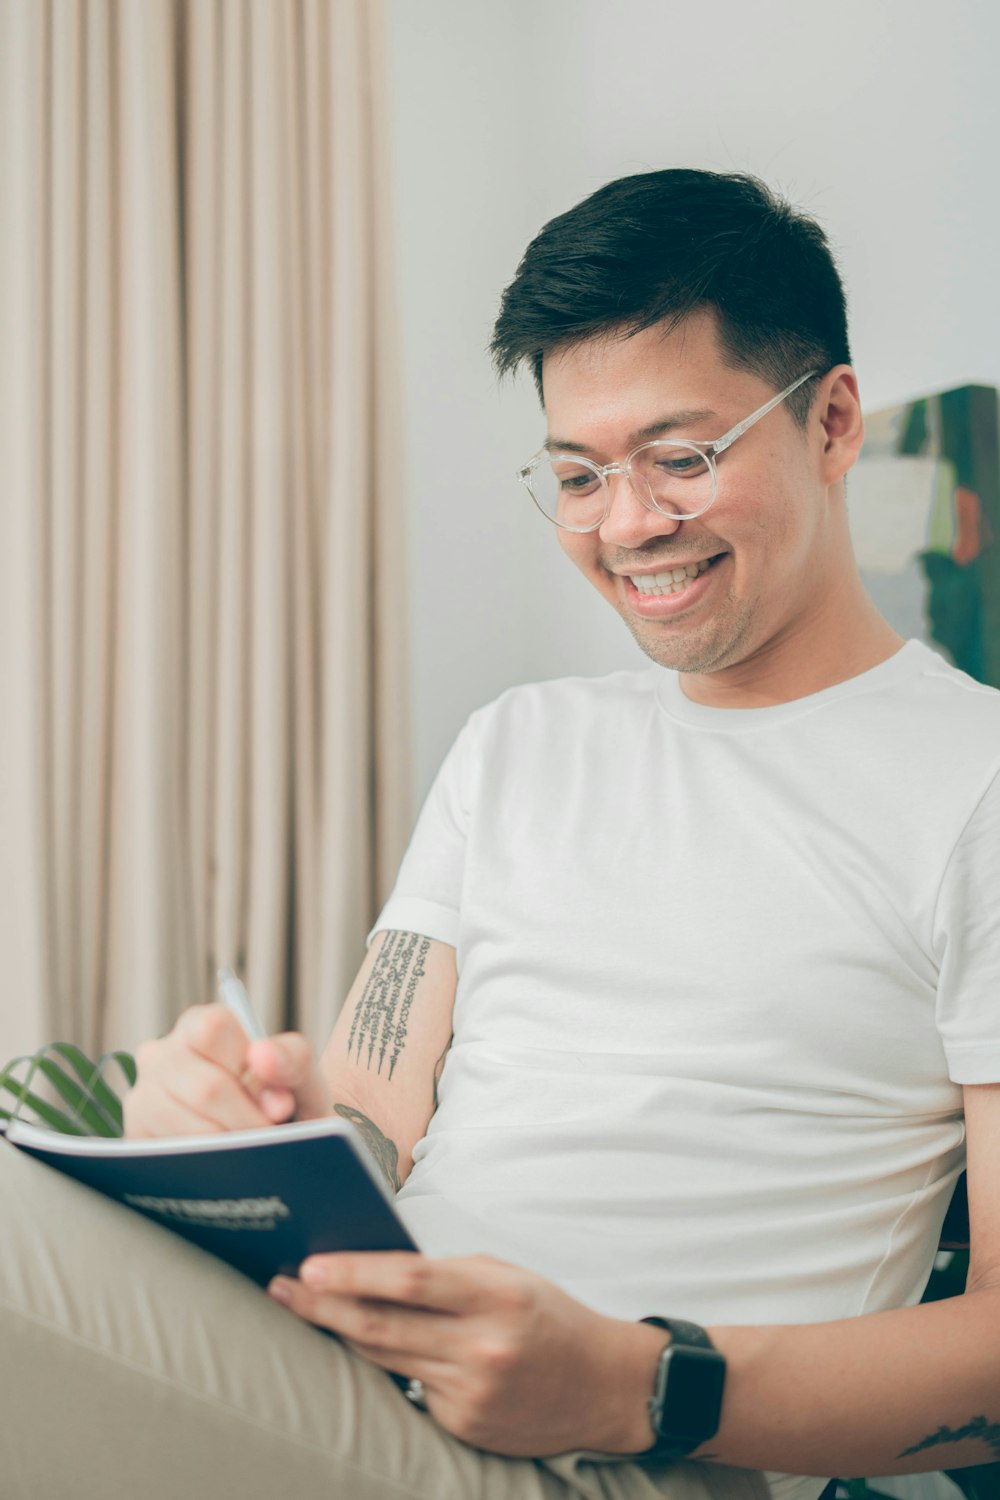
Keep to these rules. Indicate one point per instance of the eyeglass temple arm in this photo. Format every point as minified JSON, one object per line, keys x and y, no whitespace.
{"x":722,"y":443}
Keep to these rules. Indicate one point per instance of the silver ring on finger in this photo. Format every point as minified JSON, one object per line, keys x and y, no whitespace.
{"x":415,"y":1392}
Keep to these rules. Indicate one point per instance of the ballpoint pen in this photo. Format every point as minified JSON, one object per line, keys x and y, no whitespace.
{"x":235,"y":998}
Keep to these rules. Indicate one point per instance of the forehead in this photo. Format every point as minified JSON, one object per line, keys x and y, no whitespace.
{"x":620,"y":381}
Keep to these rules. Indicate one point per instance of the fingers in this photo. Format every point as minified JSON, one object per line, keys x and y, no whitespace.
{"x":395,"y":1337}
{"x":207,"y":1075}
{"x":194,"y":1080}
{"x":289,"y":1071}
{"x":277,"y":1104}
{"x":212,"y":1031}
{"x":460,"y":1284}
{"x":163,"y":1116}
{"x":208,"y":1093}
{"x":494,"y":1345}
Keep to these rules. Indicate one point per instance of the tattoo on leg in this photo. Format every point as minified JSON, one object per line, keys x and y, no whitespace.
{"x":380,"y":1146}
{"x":989,"y":1432}
{"x":380,"y":1020}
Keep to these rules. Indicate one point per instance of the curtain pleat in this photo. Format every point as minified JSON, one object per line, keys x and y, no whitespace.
{"x":27,"y":877}
{"x":393,"y":814}
{"x":196,"y":398}
{"x":97,"y":502}
{"x":346,"y":881}
{"x":198,"y":110}
{"x":63,"y":443}
{"x":268,"y":708}
{"x":148,"y":943}
{"x":305,"y":211}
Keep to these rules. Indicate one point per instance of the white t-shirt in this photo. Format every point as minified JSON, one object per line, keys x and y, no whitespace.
{"x":722,"y":974}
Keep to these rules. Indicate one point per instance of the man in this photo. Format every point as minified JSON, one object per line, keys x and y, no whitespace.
{"x":688,"y":980}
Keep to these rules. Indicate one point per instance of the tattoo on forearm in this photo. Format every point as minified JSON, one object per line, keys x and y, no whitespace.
{"x":989,"y":1432}
{"x":382,"y":1013}
{"x":380,"y":1146}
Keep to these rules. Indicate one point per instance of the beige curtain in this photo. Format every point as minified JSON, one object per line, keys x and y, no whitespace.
{"x":201,"y":626}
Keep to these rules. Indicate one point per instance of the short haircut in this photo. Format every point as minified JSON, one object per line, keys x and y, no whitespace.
{"x":654,"y":248}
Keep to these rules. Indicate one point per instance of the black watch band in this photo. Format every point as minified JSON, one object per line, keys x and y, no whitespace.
{"x":686,"y":1404}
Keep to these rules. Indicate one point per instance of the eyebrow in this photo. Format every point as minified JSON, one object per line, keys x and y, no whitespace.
{"x":642,"y":435}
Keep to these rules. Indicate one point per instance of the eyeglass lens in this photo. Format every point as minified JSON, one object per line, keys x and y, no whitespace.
{"x":672,"y":477}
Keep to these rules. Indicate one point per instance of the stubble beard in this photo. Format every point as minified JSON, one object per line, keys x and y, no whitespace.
{"x":724,"y":644}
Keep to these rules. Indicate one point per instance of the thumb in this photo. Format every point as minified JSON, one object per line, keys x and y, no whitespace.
{"x":288,"y":1063}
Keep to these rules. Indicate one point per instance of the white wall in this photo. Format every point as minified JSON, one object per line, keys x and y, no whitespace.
{"x":881,"y":117}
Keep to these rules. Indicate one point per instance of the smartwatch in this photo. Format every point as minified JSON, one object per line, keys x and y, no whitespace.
{"x":686,"y":1404}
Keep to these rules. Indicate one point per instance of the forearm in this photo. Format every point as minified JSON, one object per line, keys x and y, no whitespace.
{"x":385,"y":1056}
{"x":900,"y":1392}
{"x":389,"y":1125}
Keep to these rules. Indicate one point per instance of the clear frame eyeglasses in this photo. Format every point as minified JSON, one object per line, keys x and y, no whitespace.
{"x":678,"y":479}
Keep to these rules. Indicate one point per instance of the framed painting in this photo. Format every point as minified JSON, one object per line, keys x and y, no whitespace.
{"x":924,"y":507}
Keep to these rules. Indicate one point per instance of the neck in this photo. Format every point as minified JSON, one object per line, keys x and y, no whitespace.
{"x":845,"y":637}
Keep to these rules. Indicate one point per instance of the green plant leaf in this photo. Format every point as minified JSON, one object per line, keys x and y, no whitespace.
{"x":95,"y":1105}
{"x":8,"y":1080}
{"x":126,"y":1062}
{"x":75,"y":1124}
{"x":78,"y":1099}
{"x":7,"y":1071}
{"x":46,"y":1112}
{"x":90,"y":1075}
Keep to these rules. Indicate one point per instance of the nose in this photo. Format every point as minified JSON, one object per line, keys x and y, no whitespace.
{"x":629,"y":521}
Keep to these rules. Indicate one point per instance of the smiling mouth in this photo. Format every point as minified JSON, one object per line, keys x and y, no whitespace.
{"x":671,"y":580}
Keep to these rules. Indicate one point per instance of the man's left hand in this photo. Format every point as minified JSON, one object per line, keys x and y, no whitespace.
{"x":508,"y":1362}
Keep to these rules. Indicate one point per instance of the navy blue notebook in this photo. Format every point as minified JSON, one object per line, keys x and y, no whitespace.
{"x":260,"y":1199}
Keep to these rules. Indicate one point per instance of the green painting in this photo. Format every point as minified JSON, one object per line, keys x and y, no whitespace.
{"x":924,"y":504}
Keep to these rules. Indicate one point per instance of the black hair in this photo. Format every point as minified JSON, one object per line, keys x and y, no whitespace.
{"x":655,"y":247}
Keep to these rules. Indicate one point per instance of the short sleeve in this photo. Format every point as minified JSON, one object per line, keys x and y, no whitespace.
{"x":967,"y":934}
{"x":426,"y":897}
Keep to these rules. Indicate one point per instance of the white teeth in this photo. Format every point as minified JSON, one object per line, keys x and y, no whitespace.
{"x":671,"y":581}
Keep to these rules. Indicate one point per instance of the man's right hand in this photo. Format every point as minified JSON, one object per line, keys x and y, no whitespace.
{"x":207,"y":1076}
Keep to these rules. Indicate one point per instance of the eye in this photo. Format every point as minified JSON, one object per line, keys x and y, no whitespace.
{"x":573,"y":479}
{"x":682,"y":465}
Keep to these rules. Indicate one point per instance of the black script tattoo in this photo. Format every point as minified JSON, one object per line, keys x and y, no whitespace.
{"x":988,"y":1432}
{"x":380,"y":1146}
{"x":381,"y":1017}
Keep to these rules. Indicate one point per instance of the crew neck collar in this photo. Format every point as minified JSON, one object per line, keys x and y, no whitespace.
{"x":905,"y":662}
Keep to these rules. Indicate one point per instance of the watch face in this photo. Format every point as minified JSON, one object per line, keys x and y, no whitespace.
{"x":692,"y":1395}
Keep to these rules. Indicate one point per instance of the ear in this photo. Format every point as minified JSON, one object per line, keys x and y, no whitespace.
{"x":839,"y":409}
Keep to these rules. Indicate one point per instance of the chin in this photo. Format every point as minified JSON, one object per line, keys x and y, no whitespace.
{"x":691,"y":653}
